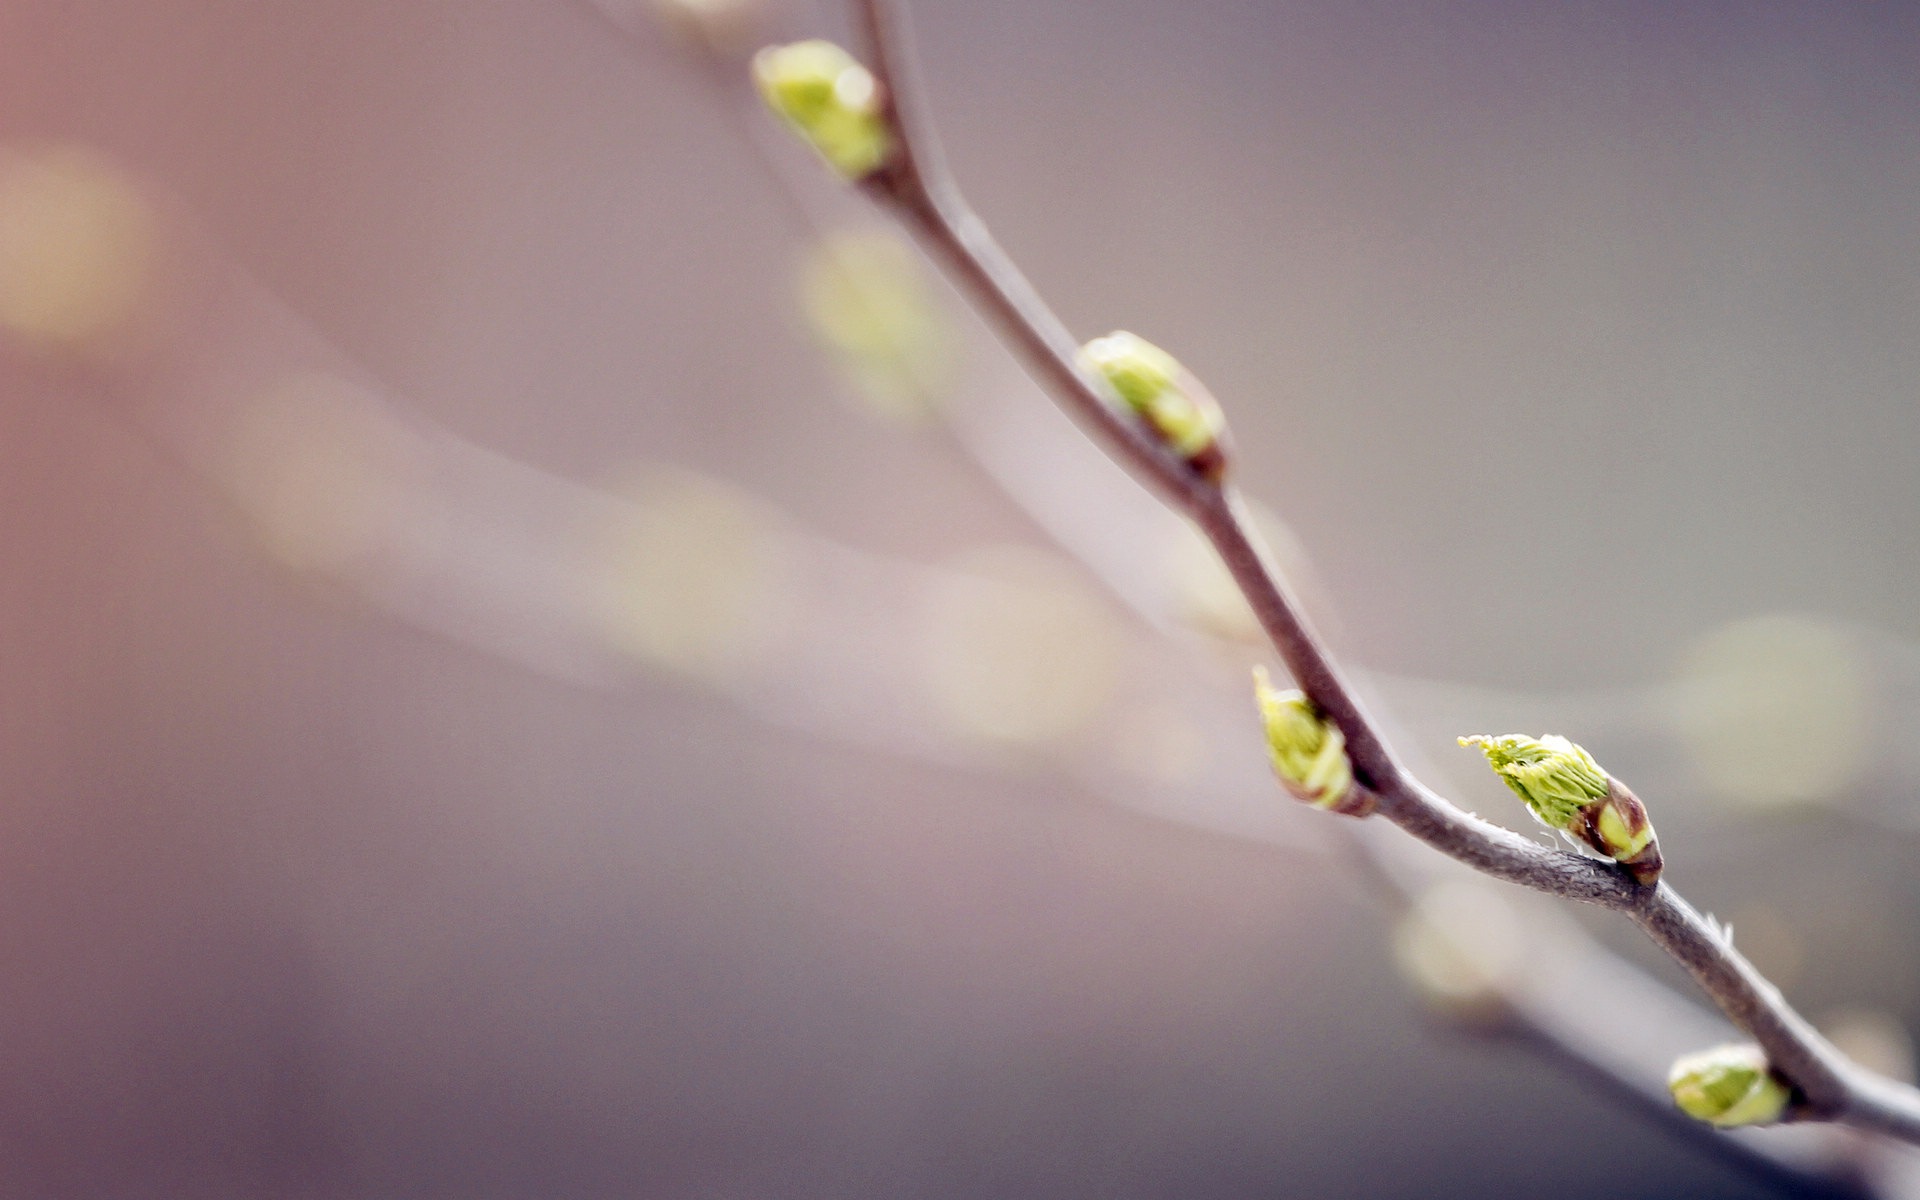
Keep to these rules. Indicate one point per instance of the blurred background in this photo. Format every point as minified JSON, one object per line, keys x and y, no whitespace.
{"x":545,"y":657}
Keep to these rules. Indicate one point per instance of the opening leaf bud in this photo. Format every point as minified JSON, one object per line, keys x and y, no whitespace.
{"x":1308,"y":752}
{"x":1163,"y":394}
{"x":1565,"y":789}
{"x":830,"y":99}
{"x":1728,"y":1086}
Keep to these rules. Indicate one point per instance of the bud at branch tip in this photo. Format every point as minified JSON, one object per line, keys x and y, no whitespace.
{"x":831,"y":100}
{"x":1151,"y":384}
{"x":1566,"y":790}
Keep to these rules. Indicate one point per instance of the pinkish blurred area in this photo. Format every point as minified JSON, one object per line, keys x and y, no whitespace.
{"x":524,"y":675}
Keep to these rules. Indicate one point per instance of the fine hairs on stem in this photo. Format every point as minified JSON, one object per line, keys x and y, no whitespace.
{"x":876,"y":132}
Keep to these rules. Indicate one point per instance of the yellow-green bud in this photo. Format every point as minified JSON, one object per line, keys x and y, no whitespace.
{"x":1157,"y":389}
{"x":1565,"y":789}
{"x":1308,"y":752}
{"x":833,"y":101}
{"x":1728,"y":1086}
{"x":1553,"y":776}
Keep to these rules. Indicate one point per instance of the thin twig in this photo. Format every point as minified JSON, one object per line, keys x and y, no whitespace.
{"x":1820,"y":1168}
{"x":1825,"y":1167}
{"x":915,"y":184}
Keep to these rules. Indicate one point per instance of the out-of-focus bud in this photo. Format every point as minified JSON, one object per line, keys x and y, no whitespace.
{"x":1728,"y":1086}
{"x":1017,"y":650}
{"x":1309,"y":753}
{"x":865,"y":296}
{"x":832,"y":100}
{"x":1162,"y":393}
{"x":1565,"y":789}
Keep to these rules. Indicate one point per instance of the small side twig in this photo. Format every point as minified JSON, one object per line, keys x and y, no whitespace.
{"x":914,"y":183}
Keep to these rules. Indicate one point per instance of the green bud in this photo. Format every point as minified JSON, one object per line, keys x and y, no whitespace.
{"x":1565,"y":789}
{"x":1728,"y":1086}
{"x":1309,"y":753}
{"x":1158,"y":390}
{"x":1553,"y":776}
{"x":833,"y":101}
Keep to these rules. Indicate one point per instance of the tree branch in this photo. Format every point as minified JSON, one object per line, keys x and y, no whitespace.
{"x":915,"y":185}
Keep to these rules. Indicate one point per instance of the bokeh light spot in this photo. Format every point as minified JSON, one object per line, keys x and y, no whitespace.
{"x":1774,"y":709}
{"x":1876,"y":1040}
{"x":866,"y":297}
{"x":697,"y":575}
{"x":1460,"y":945}
{"x":322,"y":470}
{"x":719,"y":25}
{"x":77,"y":247}
{"x":1016,"y":648}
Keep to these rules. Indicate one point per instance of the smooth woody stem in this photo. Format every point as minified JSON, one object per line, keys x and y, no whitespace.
{"x":913,"y":182}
